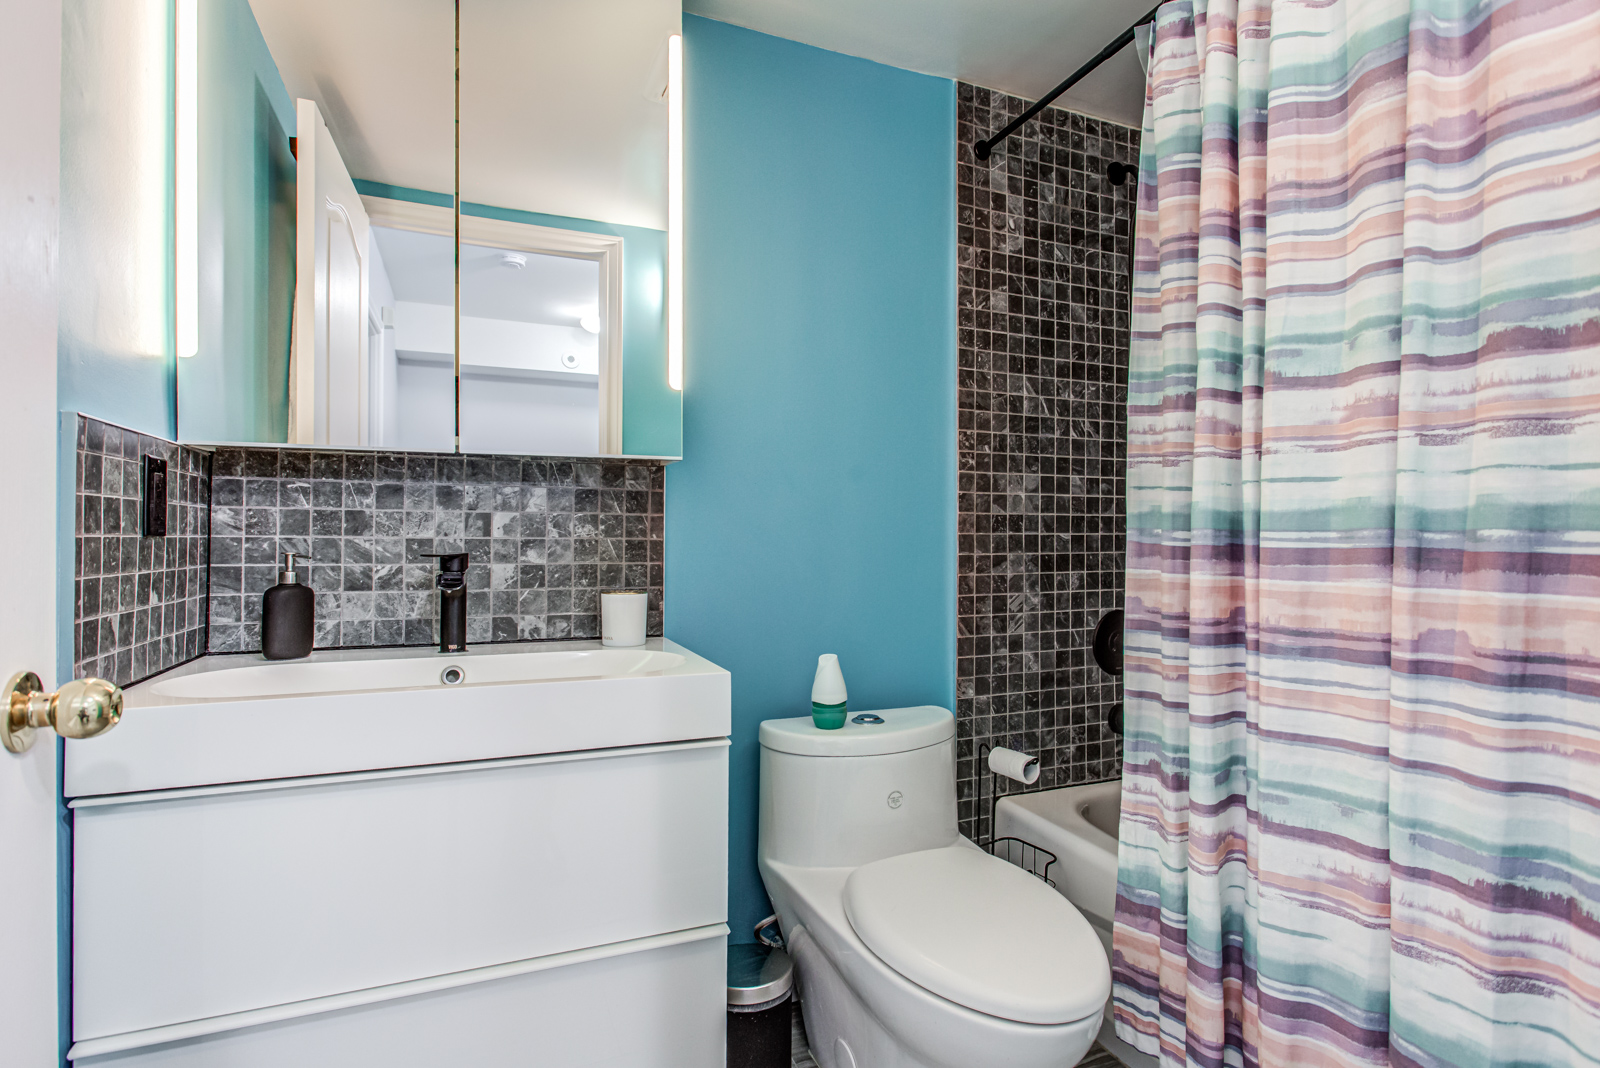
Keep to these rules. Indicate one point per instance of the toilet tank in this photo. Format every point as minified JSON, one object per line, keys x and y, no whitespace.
{"x":847,"y":797}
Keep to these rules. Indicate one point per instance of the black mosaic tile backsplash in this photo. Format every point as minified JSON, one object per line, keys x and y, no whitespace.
{"x":545,"y":537}
{"x":139,"y":603}
{"x":1043,"y":247}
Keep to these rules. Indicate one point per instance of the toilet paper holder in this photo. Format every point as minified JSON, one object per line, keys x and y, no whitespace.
{"x":1031,"y":858}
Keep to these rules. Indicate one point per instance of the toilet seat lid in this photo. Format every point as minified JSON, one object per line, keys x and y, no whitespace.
{"x":980,"y":932}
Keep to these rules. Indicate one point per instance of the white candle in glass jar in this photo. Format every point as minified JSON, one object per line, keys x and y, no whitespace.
{"x":622,"y":616}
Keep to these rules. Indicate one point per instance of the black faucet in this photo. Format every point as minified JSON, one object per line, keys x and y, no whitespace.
{"x":452,"y":601}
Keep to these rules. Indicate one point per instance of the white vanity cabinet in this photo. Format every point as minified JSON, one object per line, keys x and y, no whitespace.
{"x":549,"y":908}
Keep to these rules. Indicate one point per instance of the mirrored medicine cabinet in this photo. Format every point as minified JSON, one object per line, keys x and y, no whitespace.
{"x":329,"y":291}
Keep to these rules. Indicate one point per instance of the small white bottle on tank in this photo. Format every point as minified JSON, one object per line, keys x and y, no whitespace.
{"x":828,"y":696}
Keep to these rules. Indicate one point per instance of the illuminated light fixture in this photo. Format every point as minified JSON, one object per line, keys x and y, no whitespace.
{"x":675,"y":211}
{"x":186,"y":177}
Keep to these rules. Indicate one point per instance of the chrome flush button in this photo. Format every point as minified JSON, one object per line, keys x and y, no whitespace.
{"x":867,"y":717}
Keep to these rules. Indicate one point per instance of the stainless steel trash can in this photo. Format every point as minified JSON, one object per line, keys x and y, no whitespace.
{"x":760,"y":991}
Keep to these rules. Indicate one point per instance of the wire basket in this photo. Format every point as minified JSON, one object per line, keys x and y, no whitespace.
{"x":1019,"y":851}
{"x":1025,"y":855}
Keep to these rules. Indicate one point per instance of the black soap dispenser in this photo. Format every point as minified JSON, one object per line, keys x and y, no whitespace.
{"x":288,"y":616}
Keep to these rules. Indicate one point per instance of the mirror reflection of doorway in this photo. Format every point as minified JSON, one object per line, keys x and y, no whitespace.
{"x":530,"y":348}
{"x":340,"y":373}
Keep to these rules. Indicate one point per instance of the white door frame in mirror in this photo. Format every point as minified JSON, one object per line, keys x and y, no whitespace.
{"x":604,"y":249}
{"x":328,"y":349}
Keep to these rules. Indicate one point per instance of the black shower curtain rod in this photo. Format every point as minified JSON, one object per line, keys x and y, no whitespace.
{"x":981,"y":149}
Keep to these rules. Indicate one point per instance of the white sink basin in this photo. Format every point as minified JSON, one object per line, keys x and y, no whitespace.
{"x":341,"y":673}
{"x":232,"y":719}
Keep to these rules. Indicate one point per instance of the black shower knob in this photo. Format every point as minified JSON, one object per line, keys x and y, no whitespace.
{"x":1108,"y":642}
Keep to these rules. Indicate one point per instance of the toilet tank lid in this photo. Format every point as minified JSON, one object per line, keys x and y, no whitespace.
{"x":902,"y":730}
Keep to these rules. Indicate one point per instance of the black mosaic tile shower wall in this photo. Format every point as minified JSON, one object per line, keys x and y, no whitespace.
{"x":139,"y":604}
{"x":545,"y":537}
{"x":1043,"y":246}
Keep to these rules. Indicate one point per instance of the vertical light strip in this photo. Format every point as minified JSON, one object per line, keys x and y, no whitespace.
{"x":186,"y":175}
{"x":455,"y":204}
{"x":675,"y":211}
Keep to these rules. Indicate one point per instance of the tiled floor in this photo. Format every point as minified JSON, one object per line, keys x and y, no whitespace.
{"x":800,"y":1053}
{"x":1097,"y":1057}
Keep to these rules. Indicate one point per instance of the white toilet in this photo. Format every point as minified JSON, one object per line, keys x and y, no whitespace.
{"x":915,"y":949}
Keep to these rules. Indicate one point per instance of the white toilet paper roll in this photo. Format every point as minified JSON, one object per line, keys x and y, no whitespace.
{"x":1014,"y":765}
{"x":622,"y":617}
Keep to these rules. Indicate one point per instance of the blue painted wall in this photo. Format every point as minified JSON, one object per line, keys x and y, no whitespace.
{"x":814,"y":509}
{"x":236,"y":386}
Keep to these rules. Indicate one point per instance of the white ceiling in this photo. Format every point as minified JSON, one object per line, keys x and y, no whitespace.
{"x":1023,"y":47}
{"x":381,"y":71}
{"x":560,"y":99}
{"x":563,"y":106}
{"x":557,"y":290}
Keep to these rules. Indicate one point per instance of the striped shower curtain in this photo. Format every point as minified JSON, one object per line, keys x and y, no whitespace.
{"x":1361,"y":819}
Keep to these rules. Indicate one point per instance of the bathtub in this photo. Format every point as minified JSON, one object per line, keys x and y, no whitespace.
{"x":1079,"y":825}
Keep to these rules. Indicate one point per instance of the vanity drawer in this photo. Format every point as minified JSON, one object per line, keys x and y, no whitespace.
{"x":197,"y":903}
{"x":652,"y":1008}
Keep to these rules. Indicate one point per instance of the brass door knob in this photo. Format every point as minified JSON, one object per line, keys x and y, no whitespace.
{"x":82,"y":708}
